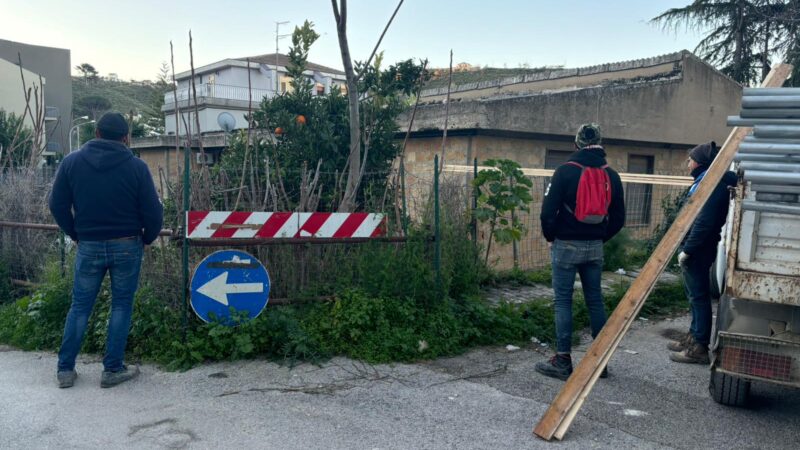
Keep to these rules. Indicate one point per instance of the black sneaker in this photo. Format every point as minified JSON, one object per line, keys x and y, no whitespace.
{"x":110,"y":379}
{"x":66,"y":378}
{"x":559,"y":366}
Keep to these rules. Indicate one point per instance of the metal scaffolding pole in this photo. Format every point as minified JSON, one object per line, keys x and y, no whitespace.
{"x":770,"y":92}
{"x":766,"y":157}
{"x":771,"y":113}
{"x":771,"y":101}
{"x":777,"y":132}
{"x":737,"y":121}
{"x":773,"y":189}
{"x":770,"y":166}
{"x":749,"y":205}
{"x":770,"y":148}
{"x":762,"y":177}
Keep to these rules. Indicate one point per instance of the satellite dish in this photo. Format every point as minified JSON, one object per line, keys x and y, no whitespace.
{"x":226,"y":121}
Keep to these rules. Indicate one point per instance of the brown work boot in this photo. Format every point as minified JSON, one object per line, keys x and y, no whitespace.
{"x":682,"y":344}
{"x":694,"y":354}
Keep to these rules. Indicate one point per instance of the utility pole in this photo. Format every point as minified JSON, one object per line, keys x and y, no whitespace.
{"x":278,"y":36}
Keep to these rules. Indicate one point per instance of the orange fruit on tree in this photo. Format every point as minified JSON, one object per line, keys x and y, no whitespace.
{"x":278,"y":131}
{"x":301,"y":119}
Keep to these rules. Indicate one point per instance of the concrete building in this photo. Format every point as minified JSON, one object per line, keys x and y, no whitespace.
{"x":53,"y":64}
{"x":651,"y":111}
{"x":12,"y":93}
{"x":222,"y":87}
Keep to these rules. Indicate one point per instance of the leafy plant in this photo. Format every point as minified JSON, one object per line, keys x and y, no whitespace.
{"x":671,"y":207}
{"x":503,"y":190}
{"x":15,"y":140}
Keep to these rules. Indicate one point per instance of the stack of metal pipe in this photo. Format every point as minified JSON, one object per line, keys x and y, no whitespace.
{"x":769,"y":157}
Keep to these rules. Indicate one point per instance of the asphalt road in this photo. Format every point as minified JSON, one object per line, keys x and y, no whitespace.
{"x":488,"y":398}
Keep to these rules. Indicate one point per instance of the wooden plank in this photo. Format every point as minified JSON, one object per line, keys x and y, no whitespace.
{"x":559,"y":416}
{"x":640,"y":178}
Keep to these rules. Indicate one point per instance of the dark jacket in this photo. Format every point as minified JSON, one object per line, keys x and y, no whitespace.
{"x":559,"y":223}
{"x":705,"y":232}
{"x":103,"y":192}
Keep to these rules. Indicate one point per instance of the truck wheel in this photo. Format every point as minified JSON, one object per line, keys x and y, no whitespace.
{"x":728,"y":390}
{"x":714,"y":283}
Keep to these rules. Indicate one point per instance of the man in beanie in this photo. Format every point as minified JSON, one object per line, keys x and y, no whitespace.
{"x":104,"y":199}
{"x":698,"y":251}
{"x":577,"y":240}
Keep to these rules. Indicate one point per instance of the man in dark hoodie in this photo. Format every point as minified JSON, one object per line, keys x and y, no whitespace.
{"x":104,"y":199}
{"x":698,"y":252}
{"x":577,"y":246}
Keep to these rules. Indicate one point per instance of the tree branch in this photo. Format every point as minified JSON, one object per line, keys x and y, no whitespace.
{"x":378,"y":44}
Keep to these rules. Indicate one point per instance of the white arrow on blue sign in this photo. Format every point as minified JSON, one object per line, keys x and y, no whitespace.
{"x":229,"y":279}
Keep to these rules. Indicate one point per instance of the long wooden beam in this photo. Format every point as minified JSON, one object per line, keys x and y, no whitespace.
{"x":640,"y":178}
{"x":562,"y":411}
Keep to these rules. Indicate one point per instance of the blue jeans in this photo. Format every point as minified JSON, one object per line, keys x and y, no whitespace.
{"x":122,"y":258}
{"x":586,"y":259}
{"x":697,"y":283}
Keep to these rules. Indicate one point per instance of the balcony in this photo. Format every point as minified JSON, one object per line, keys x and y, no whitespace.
{"x":219,"y":92}
{"x":50,"y":113}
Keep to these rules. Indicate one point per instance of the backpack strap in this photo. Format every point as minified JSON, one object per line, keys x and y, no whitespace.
{"x":573,"y":163}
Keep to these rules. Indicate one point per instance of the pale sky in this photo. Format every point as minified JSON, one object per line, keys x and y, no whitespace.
{"x":131,"y":38}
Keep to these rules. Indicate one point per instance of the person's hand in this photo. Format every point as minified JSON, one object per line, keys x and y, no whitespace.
{"x":682,"y":258}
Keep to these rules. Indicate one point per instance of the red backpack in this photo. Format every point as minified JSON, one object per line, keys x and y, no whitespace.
{"x":594,"y":194}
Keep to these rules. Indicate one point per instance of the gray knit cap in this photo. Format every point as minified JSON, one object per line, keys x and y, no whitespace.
{"x":588,"y":134}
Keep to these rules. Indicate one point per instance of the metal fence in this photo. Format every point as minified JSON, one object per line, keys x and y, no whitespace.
{"x":29,"y":240}
{"x":647,"y":200}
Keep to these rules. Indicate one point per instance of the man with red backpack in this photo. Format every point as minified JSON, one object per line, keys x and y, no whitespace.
{"x":583,"y":207}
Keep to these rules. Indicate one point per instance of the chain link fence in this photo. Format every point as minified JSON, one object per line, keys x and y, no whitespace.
{"x":649,"y":206}
{"x":29,"y":240}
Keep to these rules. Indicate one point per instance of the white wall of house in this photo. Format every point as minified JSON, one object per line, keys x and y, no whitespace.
{"x":230,"y":76}
{"x":208,"y":120}
{"x":228,"y":80}
{"x":12,"y":98}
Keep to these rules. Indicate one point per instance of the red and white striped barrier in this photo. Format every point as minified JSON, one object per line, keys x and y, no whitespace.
{"x":275,"y":225}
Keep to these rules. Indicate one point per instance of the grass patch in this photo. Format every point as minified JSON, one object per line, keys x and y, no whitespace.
{"x":519,"y":277}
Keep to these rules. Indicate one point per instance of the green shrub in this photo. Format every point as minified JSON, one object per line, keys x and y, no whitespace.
{"x":36,"y":322}
{"x":624,"y":252}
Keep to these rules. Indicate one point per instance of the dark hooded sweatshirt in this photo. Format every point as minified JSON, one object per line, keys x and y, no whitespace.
{"x":704,"y":235}
{"x":559,"y":223}
{"x":103,"y":192}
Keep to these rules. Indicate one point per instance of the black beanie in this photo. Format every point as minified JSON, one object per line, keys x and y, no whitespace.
{"x":112,"y":126}
{"x":704,"y":154}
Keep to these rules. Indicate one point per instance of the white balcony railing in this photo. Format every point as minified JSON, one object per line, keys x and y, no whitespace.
{"x":219,"y":91}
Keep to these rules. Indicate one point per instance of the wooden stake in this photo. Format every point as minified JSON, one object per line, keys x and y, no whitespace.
{"x":562,"y":411}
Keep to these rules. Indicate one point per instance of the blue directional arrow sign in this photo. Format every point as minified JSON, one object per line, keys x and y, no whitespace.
{"x":229,"y":279}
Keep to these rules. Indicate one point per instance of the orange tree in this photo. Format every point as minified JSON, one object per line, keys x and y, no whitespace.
{"x":303,"y":139}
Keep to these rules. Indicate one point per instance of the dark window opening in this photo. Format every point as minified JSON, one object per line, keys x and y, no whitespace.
{"x":638,"y":196}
